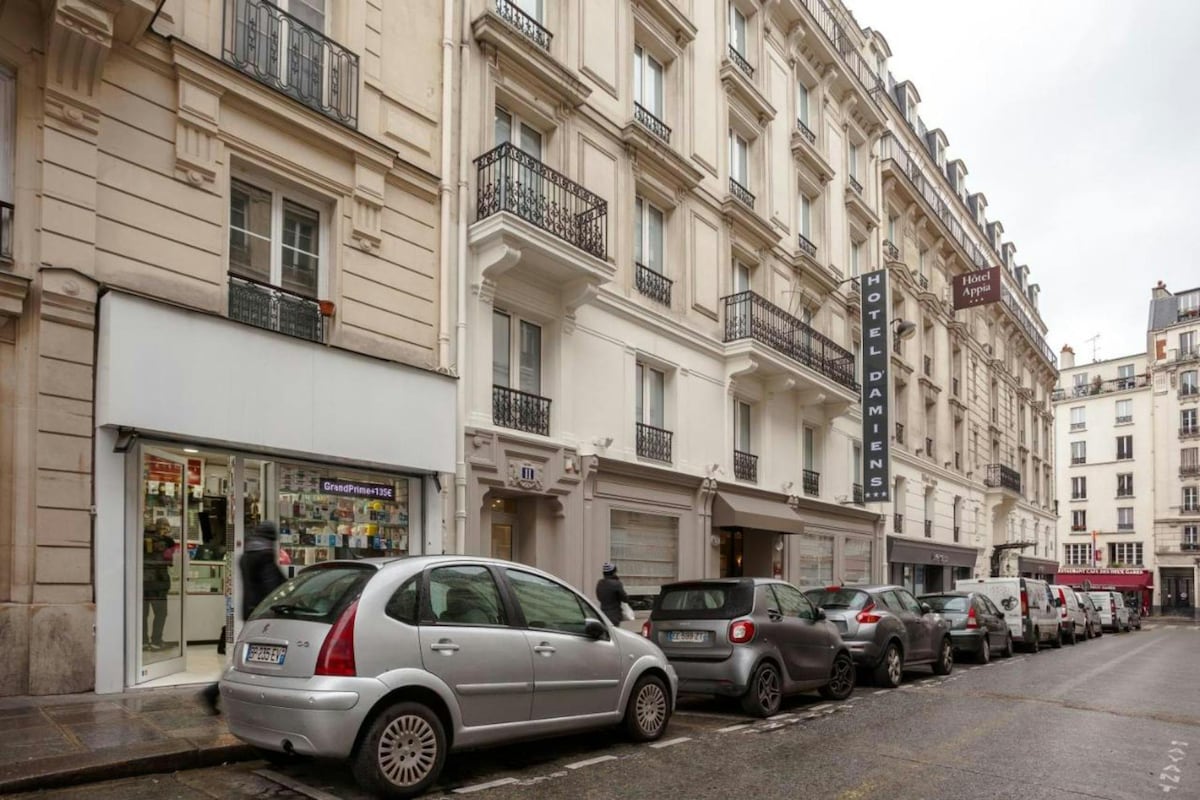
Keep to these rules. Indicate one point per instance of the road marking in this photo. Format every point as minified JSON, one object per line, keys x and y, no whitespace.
{"x":781,"y":716}
{"x":479,"y":787}
{"x":773,"y":726}
{"x":733,"y":728}
{"x":1196,"y":627}
{"x":295,"y":785}
{"x":881,"y":691}
{"x":590,"y":761}
{"x":671,"y":742}
{"x":821,"y":707}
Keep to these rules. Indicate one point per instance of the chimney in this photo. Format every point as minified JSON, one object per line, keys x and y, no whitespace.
{"x":1160,"y":291}
{"x":1066,"y":359}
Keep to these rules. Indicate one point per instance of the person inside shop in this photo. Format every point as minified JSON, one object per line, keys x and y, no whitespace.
{"x":610,"y":592}
{"x":156,"y":583}
{"x":261,"y":575}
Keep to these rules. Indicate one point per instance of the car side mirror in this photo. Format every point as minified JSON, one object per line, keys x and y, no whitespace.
{"x":594,"y":629}
{"x":820,"y":614}
{"x":926,"y":608}
{"x":1058,"y":603}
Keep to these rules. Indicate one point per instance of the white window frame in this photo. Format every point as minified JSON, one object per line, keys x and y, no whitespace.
{"x":739,"y":159}
{"x":1189,"y":303}
{"x":852,"y":156}
{"x":808,"y":448}
{"x":1189,"y":419}
{"x":856,"y":259}
{"x":1187,"y":342}
{"x":1079,"y":519}
{"x":735,"y":16}
{"x":743,"y":411}
{"x":1188,"y":381}
{"x":1191,"y":534}
{"x":645,"y":398}
{"x":515,"y":324}
{"x":518,"y":125}
{"x":1077,"y":554}
{"x":1190,"y":498}
{"x":1125,"y":518}
{"x":280,"y":192}
{"x":644,"y":212}
{"x":1125,"y":552}
{"x":806,"y":217}
{"x":1078,"y":417}
{"x":803,"y":100}
{"x":644,"y":66}
{"x":1079,"y":451}
{"x":742,"y":270}
{"x":1129,"y":451}
{"x":1126,"y":405}
{"x":1125,"y":481}
{"x":1079,"y":487}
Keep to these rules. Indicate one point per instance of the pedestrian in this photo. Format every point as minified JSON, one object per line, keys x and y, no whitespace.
{"x":156,"y":583}
{"x":611,"y":594}
{"x":261,"y":575}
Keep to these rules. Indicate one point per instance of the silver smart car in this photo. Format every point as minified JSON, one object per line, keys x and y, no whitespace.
{"x":393,"y":663}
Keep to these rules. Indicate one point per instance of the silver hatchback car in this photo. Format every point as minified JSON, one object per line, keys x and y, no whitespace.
{"x":392,"y":663}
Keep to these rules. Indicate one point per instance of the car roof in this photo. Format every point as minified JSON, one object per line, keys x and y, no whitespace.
{"x":947,"y":594}
{"x":420,"y":562}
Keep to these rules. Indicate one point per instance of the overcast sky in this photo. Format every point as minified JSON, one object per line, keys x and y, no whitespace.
{"x":1080,"y":121}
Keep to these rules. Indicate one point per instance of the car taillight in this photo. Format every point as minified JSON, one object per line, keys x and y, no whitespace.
{"x":741,"y":631}
{"x":1024,"y":603}
{"x":865,"y":616}
{"x":646,"y":629}
{"x":971,"y":621}
{"x":337,"y":651}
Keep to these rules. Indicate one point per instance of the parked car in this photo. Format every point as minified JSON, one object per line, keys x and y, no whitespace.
{"x":391,"y":664}
{"x":977,"y":627}
{"x":1135,"y":614}
{"x":1114,"y":615}
{"x":1028,"y":608}
{"x":886,"y":630}
{"x":1094,"y":624}
{"x":1071,"y":617}
{"x":753,"y":638}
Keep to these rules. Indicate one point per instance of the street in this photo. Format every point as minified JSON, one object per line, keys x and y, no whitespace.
{"x":1115,"y":717}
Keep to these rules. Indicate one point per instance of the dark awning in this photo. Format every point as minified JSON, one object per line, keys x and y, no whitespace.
{"x":743,"y":511}
{"x":1040,"y":566}
{"x":903,"y":551}
{"x":1101,"y":579}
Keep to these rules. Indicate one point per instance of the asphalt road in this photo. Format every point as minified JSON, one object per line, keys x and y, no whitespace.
{"x":1116,"y":717}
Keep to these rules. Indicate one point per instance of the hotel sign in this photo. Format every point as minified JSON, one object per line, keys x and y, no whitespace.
{"x":977,"y":288}
{"x":876,"y":429}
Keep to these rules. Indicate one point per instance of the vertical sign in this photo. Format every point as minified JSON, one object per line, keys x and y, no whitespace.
{"x":875,"y":388}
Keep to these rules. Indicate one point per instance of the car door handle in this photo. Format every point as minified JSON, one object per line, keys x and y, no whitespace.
{"x":545,"y":649}
{"x":444,"y":646}
{"x":774,"y":615}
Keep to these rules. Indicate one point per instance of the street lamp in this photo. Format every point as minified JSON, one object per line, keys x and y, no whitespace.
{"x":903,"y":329}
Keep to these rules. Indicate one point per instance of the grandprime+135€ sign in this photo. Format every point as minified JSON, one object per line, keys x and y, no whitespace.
{"x":875,"y":387}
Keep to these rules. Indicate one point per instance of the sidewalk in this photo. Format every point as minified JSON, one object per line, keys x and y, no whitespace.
{"x":64,"y":740}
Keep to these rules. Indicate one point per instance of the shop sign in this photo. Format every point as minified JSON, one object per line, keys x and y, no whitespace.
{"x":378,"y":491}
{"x":876,"y":429}
{"x":940,"y":558}
{"x":1098,"y":571}
{"x":977,"y":288}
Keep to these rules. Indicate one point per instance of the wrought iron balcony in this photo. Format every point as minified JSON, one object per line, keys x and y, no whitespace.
{"x":654,"y":443}
{"x":1075,"y":460}
{"x":6,"y":231}
{"x":1189,"y":468}
{"x":922,"y":281}
{"x":275,"y":309}
{"x":745,"y":466}
{"x":279,"y":50}
{"x":1188,"y":390}
{"x":812,"y":483}
{"x":890,"y":251}
{"x":806,"y":131}
{"x":806,"y":246}
{"x":1124,"y":526}
{"x":859,"y":498}
{"x":899,"y":433}
{"x":1102,"y":387}
{"x":1078,"y":426}
{"x":749,"y":316}
{"x":528,"y":27}
{"x":520,"y":411}
{"x":1000,"y":476}
{"x":652,"y":123}
{"x":741,"y":62}
{"x":928,"y":529}
{"x":854,"y":184}
{"x":511,"y":180}
{"x":741,"y":193}
{"x":898,"y":523}
{"x":653,"y":284}
{"x":1177,"y":543}
{"x":1188,"y":431}
{"x":1124,"y":419}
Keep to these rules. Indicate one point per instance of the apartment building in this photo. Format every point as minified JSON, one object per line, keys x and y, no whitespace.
{"x":221,"y":259}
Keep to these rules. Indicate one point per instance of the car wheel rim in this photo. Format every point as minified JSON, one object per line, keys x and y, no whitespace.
{"x":947,"y":655}
{"x":843,"y":673}
{"x":768,"y":689}
{"x":894,"y":670}
{"x":987,"y":650}
{"x":408,"y":750}
{"x":651,"y":708}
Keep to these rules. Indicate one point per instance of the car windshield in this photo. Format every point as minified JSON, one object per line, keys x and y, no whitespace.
{"x":318,"y":594}
{"x":705,"y":598}
{"x":703,"y":601}
{"x":834,"y":597}
{"x":941,"y":602}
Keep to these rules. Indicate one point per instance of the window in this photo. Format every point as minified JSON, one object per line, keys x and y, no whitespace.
{"x":856,"y":560}
{"x":511,"y":129}
{"x":648,"y":236}
{"x":741,"y":277}
{"x":273,"y":239}
{"x":8,"y":139}
{"x":806,"y":217}
{"x":1189,"y":304}
{"x":815,"y":554}
{"x":737,"y":30}
{"x":739,"y":159}
{"x":741,"y":427}
{"x":648,"y":82}
{"x":1187,"y":421}
{"x":923,"y":263}
{"x":1124,"y":411}
{"x":1079,"y":384}
{"x":1187,"y":342}
{"x":1125,"y":553}
{"x":856,"y":258}
{"x":1125,"y":376}
{"x":516,"y":343}
{"x":1191,"y":537}
{"x":645,"y":548}
{"x":651,"y":385}
{"x":809,"y":448}
{"x":1125,"y":484}
{"x":791,"y":602}
{"x":1079,"y":520}
{"x":547,"y":605}
{"x":465,"y":596}
{"x":1124,"y":448}
{"x":1125,"y":519}
{"x":1077,"y":555}
{"x":852,"y":160}
{"x":1079,"y":488}
{"x":1078,"y":452}
{"x":1188,"y":383}
{"x":1078,"y":420}
{"x":802,"y":104}
{"x":1191,"y":499}
{"x":403,"y":605}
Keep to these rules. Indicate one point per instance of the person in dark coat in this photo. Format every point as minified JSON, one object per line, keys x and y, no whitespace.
{"x":156,"y":583}
{"x":611,"y":593}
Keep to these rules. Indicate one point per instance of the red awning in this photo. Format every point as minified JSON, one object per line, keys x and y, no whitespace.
{"x":1102,"y":579}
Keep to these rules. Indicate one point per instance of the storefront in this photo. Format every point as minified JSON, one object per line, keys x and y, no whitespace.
{"x":1135,"y":584}
{"x":204,"y":428}
{"x":926,"y":567}
{"x":1041,"y":568}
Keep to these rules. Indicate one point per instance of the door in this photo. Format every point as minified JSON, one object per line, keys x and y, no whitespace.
{"x":573,"y":674}
{"x":990,"y":617}
{"x":1177,"y":593}
{"x":161,"y":562}
{"x":918,"y":625}
{"x":468,"y":641}
{"x":805,"y":644}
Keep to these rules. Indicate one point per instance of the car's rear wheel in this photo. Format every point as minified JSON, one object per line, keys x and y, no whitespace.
{"x":1074,"y":637}
{"x":945,"y":661}
{"x":1057,"y":641}
{"x":1036,"y":643}
{"x":765,"y":694}
{"x":402,"y":753}
{"x":890,"y":670}
{"x":841,"y":678}
{"x":1007,"y":652}
{"x":985,"y":651}
{"x":648,"y":710}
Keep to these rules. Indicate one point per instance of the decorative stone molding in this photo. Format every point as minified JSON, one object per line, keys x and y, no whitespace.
{"x":13,"y":290}
{"x":79,"y":36}
{"x":197,"y":121}
{"x":485,"y":290}
{"x":367,"y":215}
{"x":68,"y":297}
{"x":526,"y":475}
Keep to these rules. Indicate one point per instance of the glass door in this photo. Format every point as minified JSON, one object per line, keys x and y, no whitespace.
{"x":161,"y":563}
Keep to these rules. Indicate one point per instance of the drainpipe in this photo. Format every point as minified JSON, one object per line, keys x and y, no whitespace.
{"x":444,"y":186}
{"x":460,"y":333}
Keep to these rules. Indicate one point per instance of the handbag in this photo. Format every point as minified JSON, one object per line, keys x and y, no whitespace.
{"x":627,"y":612}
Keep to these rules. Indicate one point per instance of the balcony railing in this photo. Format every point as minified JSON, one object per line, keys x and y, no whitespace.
{"x":1188,"y":390}
{"x":740,"y":61}
{"x":510,"y":179}
{"x":806,"y":246}
{"x":1177,"y":544}
{"x":898,"y":523}
{"x":899,"y":433}
{"x":653,"y":284}
{"x":529,"y":27}
{"x":652,"y":123}
{"x":1102,"y":387}
{"x":1078,"y":426}
{"x":6,"y":231}
{"x":654,"y":443}
{"x":1078,"y":528}
{"x":741,"y":193}
{"x":890,"y":251}
{"x":812,"y":483}
{"x":928,"y":529}
{"x":1001,"y":476}
{"x":1076,"y":460}
{"x":277,"y":49}
{"x":1187,"y":431}
{"x":1124,"y":419}
{"x":856,"y":64}
{"x":275,"y":309}
{"x":806,"y":131}
{"x":922,"y":281}
{"x":1189,"y":468}
{"x":854,"y":184}
{"x":749,"y":316}
{"x":521,"y":411}
{"x":745,"y":466}
{"x":859,"y":498}
{"x":1124,"y":526}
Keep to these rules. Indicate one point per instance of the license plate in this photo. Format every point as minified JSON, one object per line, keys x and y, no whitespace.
{"x":840,"y":624}
{"x":265,"y":654}
{"x":687,"y":637}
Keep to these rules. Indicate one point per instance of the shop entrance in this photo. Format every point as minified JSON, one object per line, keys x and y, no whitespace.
{"x":751,"y":553}
{"x":1178,"y":592}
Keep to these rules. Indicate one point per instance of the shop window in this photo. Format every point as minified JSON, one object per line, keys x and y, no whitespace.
{"x":856,"y":561}
{"x":465,"y":596}
{"x":815,"y":557}
{"x":547,"y":605}
{"x":645,"y":549}
{"x":275,"y":237}
{"x":516,"y":353}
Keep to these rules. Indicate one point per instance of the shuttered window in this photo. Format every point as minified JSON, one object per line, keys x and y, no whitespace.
{"x":645,"y":549}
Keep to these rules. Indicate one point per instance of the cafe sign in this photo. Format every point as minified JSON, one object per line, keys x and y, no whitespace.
{"x":977,"y":288}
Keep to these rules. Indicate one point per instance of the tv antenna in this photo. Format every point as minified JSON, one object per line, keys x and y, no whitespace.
{"x":1095,"y":346}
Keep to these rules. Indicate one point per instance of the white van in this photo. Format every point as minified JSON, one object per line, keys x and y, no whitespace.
{"x":1114,"y":616}
{"x":1072,"y":616}
{"x":1028,"y":606}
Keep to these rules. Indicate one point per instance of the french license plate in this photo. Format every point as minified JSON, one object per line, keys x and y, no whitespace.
{"x":687,"y":637}
{"x":265,"y":654}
